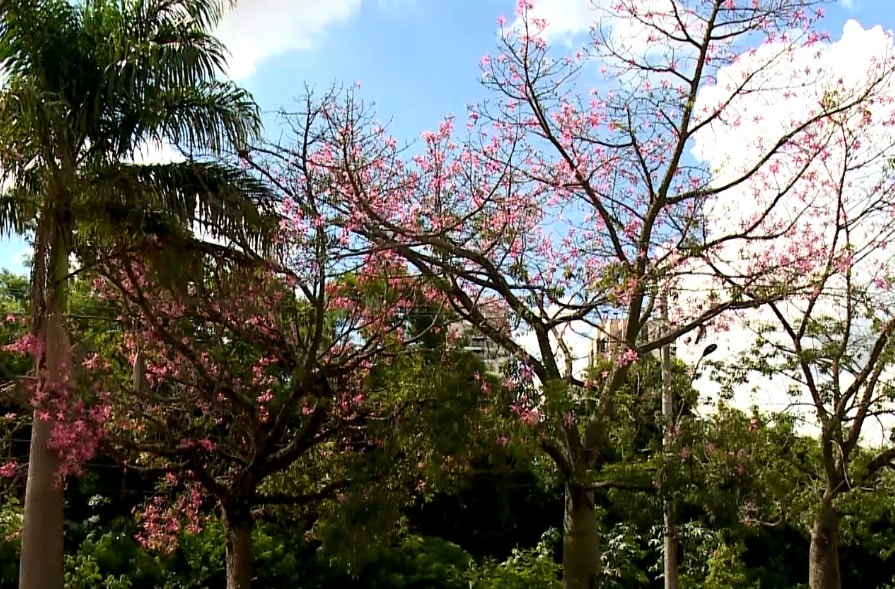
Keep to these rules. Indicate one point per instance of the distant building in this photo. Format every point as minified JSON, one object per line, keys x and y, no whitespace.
{"x":611,"y":332}
{"x":493,"y":355}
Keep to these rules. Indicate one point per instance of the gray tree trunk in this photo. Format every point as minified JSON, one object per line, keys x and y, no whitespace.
{"x":581,"y":540}
{"x":823,"y":555}
{"x":42,"y":559}
{"x":238,"y":526}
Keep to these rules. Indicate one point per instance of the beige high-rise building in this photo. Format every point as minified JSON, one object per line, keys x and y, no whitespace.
{"x":610,"y":334}
{"x":494,"y":356}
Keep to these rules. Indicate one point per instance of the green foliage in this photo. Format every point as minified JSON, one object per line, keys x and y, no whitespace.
{"x":504,"y":503}
{"x":726,"y":569}
{"x":525,"y":569}
{"x":83,"y":572}
{"x":868,"y":520}
{"x":14,"y":321}
{"x":14,"y":366}
{"x":10,"y":541}
{"x":111,"y":560}
{"x":624,"y":552}
{"x":417,"y":562}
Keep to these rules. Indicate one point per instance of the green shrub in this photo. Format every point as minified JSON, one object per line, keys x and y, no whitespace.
{"x":524,"y":569}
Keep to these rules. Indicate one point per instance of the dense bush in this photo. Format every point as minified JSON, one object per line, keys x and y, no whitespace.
{"x":109,"y":558}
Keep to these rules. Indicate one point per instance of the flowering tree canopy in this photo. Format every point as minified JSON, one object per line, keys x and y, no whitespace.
{"x":282,"y":378}
{"x":572,"y":194}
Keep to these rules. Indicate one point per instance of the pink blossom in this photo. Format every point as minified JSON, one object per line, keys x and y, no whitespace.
{"x":8,"y":469}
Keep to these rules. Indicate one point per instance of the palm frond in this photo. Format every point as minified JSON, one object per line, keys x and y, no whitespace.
{"x":52,"y":78}
{"x":27,"y":32}
{"x":19,"y":119}
{"x":171,"y":39}
{"x":19,"y":208}
{"x":205,"y":13}
{"x":176,"y":56}
{"x":160,"y":78}
{"x":210,"y":117}
{"x":221,"y":200}
{"x":89,"y":80}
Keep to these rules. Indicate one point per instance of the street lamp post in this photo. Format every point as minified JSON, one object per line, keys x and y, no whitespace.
{"x":668,"y":511}
{"x":709,"y":350}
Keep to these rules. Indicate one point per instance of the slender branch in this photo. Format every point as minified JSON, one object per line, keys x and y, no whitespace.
{"x":328,"y":491}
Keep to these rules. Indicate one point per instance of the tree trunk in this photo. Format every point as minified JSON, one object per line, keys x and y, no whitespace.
{"x":41,"y":565}
{"x":669,"y":552}
{"x":581,"y":540}
{"x":823,"y":555}
{"x":238,"y":524}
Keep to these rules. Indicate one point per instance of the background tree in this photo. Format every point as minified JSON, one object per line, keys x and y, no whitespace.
{"x":838,"y":352}
{"x":572,"y":205}
{"x":833,"y":342}
{"x":88,"y":84}
{"x":295,"y":381}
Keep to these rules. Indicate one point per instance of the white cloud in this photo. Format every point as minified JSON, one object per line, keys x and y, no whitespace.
{"x":737,"y":142}
{"x":257,"y":30}
{"x":733,"y":143}
{"x":566,"y":17}
{"x":154,"y":152}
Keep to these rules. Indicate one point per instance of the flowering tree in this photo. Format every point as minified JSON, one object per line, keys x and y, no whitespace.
{"x":572,"y":197}
{"x":841,"y":360}
{"x":834,"y":345}
{"x":833,"y":340}
{"x":15,"y":364}
{"x":265,"y":381}
{"x":80,"y":408}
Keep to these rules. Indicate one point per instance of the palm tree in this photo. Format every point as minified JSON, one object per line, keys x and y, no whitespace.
{"x":88,"y":83}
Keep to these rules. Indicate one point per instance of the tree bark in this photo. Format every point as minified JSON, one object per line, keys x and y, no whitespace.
{"x":823,"y":555}
{"x":41,"y":564}
{"x":581,"y":540}
{"x":238,"y":523}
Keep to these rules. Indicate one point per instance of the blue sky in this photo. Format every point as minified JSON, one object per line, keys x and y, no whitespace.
{"x":417,"y":59}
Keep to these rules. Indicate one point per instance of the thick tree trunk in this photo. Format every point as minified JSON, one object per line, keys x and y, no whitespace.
{"x":823,"y":555}
{"x":238,"y":524}
{"x":41,"y":565}
{"x":581,"y":540}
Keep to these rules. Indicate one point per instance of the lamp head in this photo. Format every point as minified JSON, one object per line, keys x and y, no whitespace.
{"x":709,"y":349}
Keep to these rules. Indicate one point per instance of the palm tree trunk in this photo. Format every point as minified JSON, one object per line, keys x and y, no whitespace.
{"x":581,"y":540}
{"x":41,"y":564}
{"x":823,"y":554}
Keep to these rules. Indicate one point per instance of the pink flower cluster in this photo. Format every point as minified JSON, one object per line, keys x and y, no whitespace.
{"x":161,"y":524}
